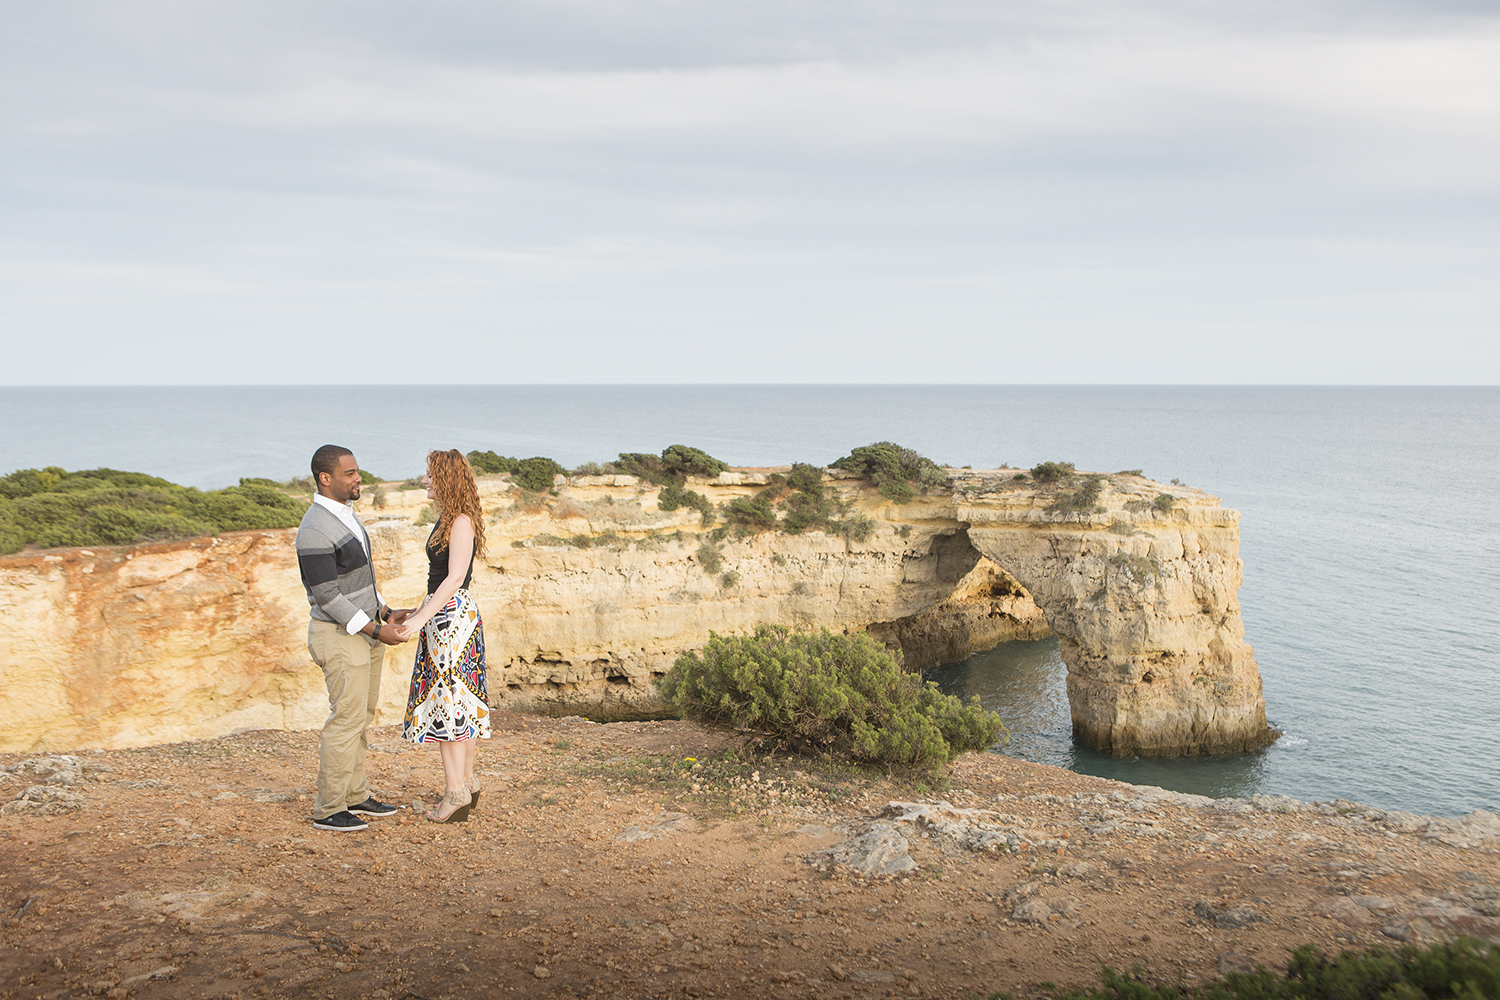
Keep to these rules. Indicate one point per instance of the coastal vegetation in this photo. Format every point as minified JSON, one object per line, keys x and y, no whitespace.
{"x":899,"y":473}
{"x":53,"y":507}
{"x":1051,"y":472}
{"x":827,"y":693}
{"x":1082,"y":501}
{"x":1465,"y":969}
{"x":532,"y":474}
{"x":798,"y":502}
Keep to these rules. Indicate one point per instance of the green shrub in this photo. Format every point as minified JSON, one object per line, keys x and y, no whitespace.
{"x":1465,"y":969}
{"x":893,"y":469}
{"x":897,"y":491}
{"x":682,"y":460}
{"x":856,"y":527}
{"x":826,"y":692}
{"x":710,"y":557}
{"x":536,"y":474}
{"x":676,"y":463}
{"x":589,"y":469}
{"x":674,"y":496}
{"x":489,"y":463}
{"x":53,"y":507}
{"x":642,"y":466}
{"x":1163,"y":503}
{"x":1051,"y":472}
{"x":1132,"y":472}
{"x":366,"y":478}
{"x":425,"y":516}
{"x":1082,"y":502}
{"x":757,"y":511}
{"x":729,"y":579}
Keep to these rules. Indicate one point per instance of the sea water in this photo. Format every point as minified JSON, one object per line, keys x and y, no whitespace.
{"x":1370,"y":526}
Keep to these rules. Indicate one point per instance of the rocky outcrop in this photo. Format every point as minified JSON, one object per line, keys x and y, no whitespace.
{"x":590,"y":595}
{"x":1144,"y":598}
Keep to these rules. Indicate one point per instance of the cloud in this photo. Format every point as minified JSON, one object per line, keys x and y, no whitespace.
{"x":633,"y":178}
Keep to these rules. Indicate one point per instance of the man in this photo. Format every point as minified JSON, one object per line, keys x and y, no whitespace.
{"x":346,"y":637}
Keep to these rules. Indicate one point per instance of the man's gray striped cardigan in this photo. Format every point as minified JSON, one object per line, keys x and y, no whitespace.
{"x":335,"y":570}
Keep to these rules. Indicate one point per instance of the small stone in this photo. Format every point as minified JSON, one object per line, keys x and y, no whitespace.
{"x":1233,"y":961}
{"x":497,"y":913}
{"x":225,"y":796}
{"x":541,"y":972}
{"x":838,"y":972}
{"x":1240,"y":916}
{"x":461,"y":967}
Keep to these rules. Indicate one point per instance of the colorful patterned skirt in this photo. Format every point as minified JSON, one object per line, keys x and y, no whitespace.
{"x":449,"y":700}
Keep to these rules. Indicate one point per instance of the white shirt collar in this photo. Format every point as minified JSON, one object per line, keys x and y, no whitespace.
{"x":343,"y":510}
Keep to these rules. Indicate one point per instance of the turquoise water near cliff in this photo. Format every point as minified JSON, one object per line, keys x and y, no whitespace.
{"x":1370,"y":530}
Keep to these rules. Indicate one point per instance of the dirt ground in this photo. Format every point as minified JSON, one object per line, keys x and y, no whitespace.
{"x":664,"y":859}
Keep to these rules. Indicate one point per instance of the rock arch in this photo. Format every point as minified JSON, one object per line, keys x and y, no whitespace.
{"x":1145,"y":605}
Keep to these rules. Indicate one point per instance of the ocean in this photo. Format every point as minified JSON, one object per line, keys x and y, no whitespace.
{"x":1370,"y":526}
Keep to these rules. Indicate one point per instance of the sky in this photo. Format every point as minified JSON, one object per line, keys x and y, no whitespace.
{"x":784,"y":191}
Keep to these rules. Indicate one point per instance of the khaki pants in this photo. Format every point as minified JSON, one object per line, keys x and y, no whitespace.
{"x":351,"y":669}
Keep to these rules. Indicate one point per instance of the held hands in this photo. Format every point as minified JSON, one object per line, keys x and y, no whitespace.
{"x":411,"y":624}
{"x":389,"y":634}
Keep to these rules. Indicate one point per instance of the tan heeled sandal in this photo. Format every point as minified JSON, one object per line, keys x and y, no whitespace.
{"x":475,"y":788}
{"x":462,"y":802}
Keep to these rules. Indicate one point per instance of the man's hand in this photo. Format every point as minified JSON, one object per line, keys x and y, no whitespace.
{"x":389,"y":635}
{"x":399,"y":615}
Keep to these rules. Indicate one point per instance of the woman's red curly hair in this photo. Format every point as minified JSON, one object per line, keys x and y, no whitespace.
{"x":453,"y":482}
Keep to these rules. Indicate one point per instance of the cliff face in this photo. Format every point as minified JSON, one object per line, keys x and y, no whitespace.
{"x":589,"y":596}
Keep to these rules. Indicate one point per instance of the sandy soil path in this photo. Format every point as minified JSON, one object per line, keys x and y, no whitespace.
{"x":665,"y":859}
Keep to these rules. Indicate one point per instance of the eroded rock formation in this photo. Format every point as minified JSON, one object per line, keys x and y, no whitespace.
{"x":589,"y":596}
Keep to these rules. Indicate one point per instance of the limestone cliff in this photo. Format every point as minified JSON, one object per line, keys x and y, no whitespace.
{"x":590,"y":595}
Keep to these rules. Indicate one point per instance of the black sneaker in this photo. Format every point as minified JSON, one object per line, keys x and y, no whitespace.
{"x":373,"y":807}
{"x":341,"y":822}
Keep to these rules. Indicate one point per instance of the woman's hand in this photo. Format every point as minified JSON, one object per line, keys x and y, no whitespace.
{"x":410,"y":626}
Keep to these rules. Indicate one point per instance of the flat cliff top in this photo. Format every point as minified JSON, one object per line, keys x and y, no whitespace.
{"x":640,"y":859}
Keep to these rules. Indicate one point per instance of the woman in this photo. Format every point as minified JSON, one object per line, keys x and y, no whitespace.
{"x":449,"y":702}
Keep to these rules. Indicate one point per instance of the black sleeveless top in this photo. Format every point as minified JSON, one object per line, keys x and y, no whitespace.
{"x":437,"y":565}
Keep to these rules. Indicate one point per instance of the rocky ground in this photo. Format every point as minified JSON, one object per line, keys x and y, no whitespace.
{"x":656,"y":859}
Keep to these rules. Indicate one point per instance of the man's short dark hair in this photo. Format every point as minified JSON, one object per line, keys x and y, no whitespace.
{"x":326,"y":459}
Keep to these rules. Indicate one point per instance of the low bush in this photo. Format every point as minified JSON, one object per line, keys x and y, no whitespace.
{"x":675,"y":464}
{"x":535,"y":475}
{"x":1163,"y":503}
{"x":894,"y":469}
{"x":489,"y":463}
{"x":710,"y":557}
{"x":682,"y":460}
{"x":824,"y":692}
{"x":1051,"y":472}
{"x":1465,"y":969}
{"x":1082,"y":502}
{"x":53,"y":507}
{"x":674,"y":496}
